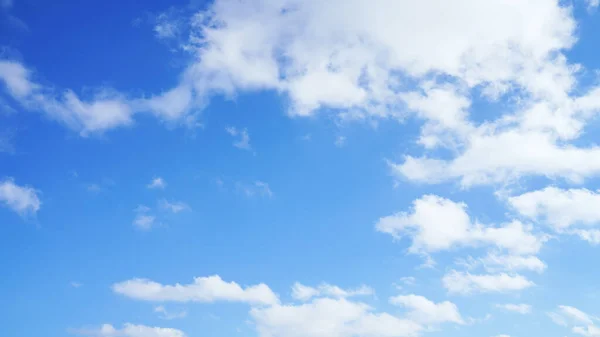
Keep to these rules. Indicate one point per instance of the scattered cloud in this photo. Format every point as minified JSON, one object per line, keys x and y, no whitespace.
{"x":518,"y":308}
{"x":129,"y":330}
{"x":424,"y":311}
{"x":243,"y":141}
{"x":465,"y":283}
{"x":21,"y":199}
{"x":340,"y":141}
{"x":580,"y":322}
{"x":173,"y":207}
{"x":157,"y":183}
{"x":144,"y":221}
{"x":203,"y":289}
{"x":560,"y":209}
{"x":437,"y":224}
{"x":325,"y":317}
{"x":76,"y":284}
{"x":257,"y":188}
{"x":164,"y":314}
{"x":305,"y":293}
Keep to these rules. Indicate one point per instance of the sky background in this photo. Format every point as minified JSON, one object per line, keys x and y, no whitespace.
{"x":285,"y":168}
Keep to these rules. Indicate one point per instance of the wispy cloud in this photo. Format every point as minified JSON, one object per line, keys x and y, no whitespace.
{"x":243,"y":138}
{"x":257,"y":188}
{"x":173,"y":207}
{"x":157,"y":183}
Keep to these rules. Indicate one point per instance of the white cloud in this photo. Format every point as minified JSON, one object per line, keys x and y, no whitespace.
{"x":76,"y":284}
{"x":588,"y":331}
{"x":436,"y":224}
{"x":408,"y":280}
{"x":174,"y":207}
{"x":144,"y":221}
{"x":592,"y":4}
{"x":424,"y":311}
{"x":244,"y":138}
{"x":559,"y":208}
{"x":326,"y":317}
{"x":203,"y":289}
{"x":494,"y":263}
{"x":575,"y":314}
{"x":164,"y":314}
{"x":157,"y":183}
{"x":21,"y":199}
{"x":130,"y":330}
{"x":502,"y":335}
{"x":570,"y":316}
{"x":518,"y":308}
{"x":350,"y":60}
{"x":105,"y":109}
{"x":466,"y":283}
{"x":305,"y":293}
{"x":257,"y":188}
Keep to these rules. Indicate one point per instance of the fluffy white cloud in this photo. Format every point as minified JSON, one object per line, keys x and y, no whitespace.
{"x":327,"y":317}
{"x":21,"y":199}
{"x":424,"y":311}
{"x":130,"y":330}
{"x":350,"y":60}
{"x":437,"y":224}
{"x":559,"y":208}
{"x":516,"y":153}
{"x":203,"y":289}
{"x":305,"y":293}
{"x":157,"y":183}
{"x":466,"y":283}
{"x":518,"y":308}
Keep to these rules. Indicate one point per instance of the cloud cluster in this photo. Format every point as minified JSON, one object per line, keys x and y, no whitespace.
{"x":322,"y":312}
{"x":203,"y":289}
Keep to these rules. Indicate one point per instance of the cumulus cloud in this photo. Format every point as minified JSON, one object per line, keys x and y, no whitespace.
{"x":467,"y":283}
{"x":129,"y":330}
{"x":203,"y":289}
{"x":305,"y":293}
{"x":437,"y":224}
{"x":559,"y":208}
{"x":326,"y":317}
{"x":21,"y":199}
{"x":424,"y":311}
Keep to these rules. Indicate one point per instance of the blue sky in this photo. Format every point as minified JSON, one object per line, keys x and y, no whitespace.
{"x":287,"y":168}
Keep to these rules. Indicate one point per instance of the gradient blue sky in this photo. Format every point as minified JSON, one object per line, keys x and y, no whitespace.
{"x":287,"y":168}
